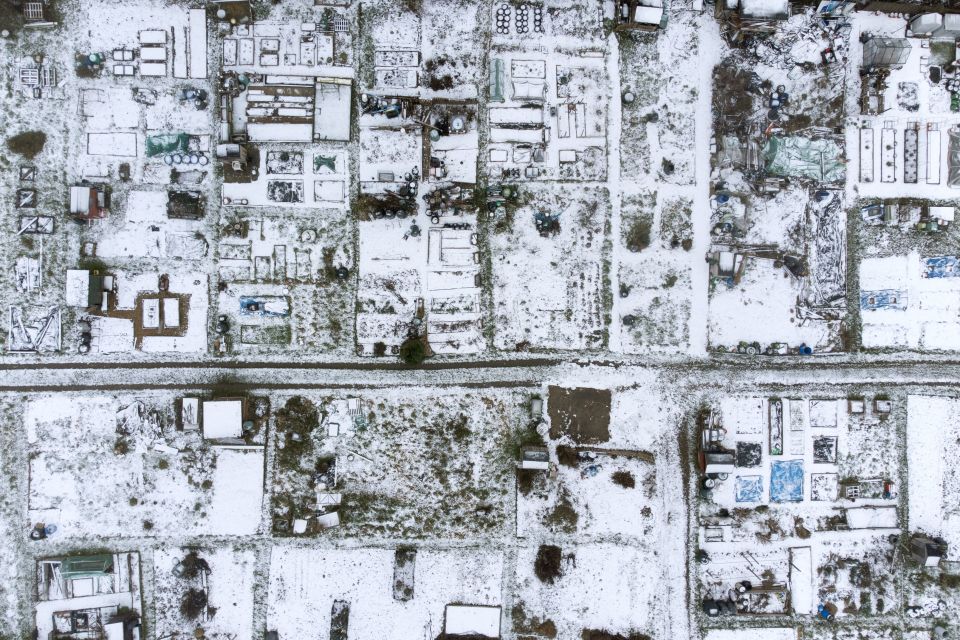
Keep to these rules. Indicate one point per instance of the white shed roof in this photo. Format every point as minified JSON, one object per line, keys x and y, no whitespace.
{"x":80,"y":200}
{"x":648,"y":15}
{"x":222,"y":419}
{"x":951,"y":22}
{"x":765,"y":8}
{"x":943,"y":213}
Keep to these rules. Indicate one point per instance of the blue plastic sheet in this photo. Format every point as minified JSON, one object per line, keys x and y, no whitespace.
{"x":748,"y":488}
{"x":786,"y":481}
{"x":883,"y":299}
{"x":942,"y":267}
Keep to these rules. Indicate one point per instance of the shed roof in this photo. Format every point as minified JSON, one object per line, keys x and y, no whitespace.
{"x":648,"y":14}
{"x":765,"y":9}
{"x":222,"y":419}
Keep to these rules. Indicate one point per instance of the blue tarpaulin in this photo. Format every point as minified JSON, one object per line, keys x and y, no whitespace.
{"x":786,"y":481}
{"x":883,"y":299}
{"x":749,"y":488}
{"x":942,"y":267}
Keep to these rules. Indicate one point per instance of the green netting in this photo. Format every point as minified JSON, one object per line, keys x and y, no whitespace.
{"x":799,"y":157}
{"x":319,"y":161}
{"x":167,"y":143}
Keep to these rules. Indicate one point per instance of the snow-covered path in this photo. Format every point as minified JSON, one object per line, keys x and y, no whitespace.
{"x":613,"y":184}
{"x":709,"y":56}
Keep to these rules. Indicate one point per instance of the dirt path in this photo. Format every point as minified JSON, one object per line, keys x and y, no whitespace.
{"x":614,"y":185}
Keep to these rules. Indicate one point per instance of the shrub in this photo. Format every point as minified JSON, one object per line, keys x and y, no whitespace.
{"x":541,"y":628}
{"x":638,"y":236}
{"x":193,"y":565}
{"x":295,"y":423}
{"x":950,"y":580}
{"x":28,"y":144}
{"x":193,"y":603}
{"x":525,"y":479}
{"x":460,"y":428}
{"x":413,"y":352}
{"x":625,"y":479}
{"x":564,"y":517}
{"x":547,"y":565}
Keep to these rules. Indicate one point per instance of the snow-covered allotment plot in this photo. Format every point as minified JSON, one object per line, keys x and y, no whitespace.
{"x":798,"y":494}
{"x":550,"y":287}
{"x":910,"y":302}
{"x":609,"y":513}
{"x":933,"y":444}
{"x":305,"y":584}
{"x":110,"y":466}
{"x":225,"y":573}
{"x":417,"y":463}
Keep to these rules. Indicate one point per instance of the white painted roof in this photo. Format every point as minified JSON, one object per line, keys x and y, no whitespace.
{"x":222,"y":419}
